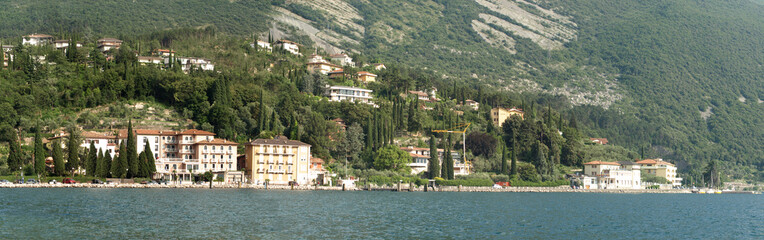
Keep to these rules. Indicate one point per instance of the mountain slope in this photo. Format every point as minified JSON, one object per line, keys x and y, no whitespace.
{"x":683,"y":79}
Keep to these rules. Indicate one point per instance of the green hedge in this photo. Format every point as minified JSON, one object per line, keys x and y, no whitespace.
{"x":392,"y":180}
{"x":475,"y":182}
{"x":557,"y":183}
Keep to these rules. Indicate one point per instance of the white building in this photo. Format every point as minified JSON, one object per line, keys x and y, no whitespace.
{"x":36,"y":39}
{"x":661,"y":168}
{"x":472,"y":103}
{"x":150,"y":60}
{"x":106,"y":44}
{"x":420,"y":159}
{"x":352,"y":94}
{"x":611,"y":175}
{"x":64,"y":44}
{"x":186,"y":63}
{"x":343,"y":59}
{"x":289,"y":46}
{"x":262,"y":45}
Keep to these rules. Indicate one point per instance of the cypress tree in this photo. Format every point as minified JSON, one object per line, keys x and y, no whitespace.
{"x":120,"y":163}
{"x":450,"y":166}
{"x":15,"y":155}
{"x":132,"y":152}
{"x":504,"y":169}
{"x":434,"y":164}
{"x":90,"y":165}
{"x":151,"y":167}
{"x":444,"y":166}
{"x":39,"y":153}
{"x":142,"y":168}
{"x":513,"y":168}
{"x":104,"y":166}
{"x":58,"y":159}
{"x":262,"y":113}
{"x":73,"y":149}
{"x":369,"y":133}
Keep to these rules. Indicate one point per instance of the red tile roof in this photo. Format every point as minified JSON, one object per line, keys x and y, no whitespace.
{"x":361,"y":73}
{"x":217,"y":141}
{"x":602,"y":141}
{"x":196,"y":132}
{"x":316,"y":160}
{"x":655,"y":161}
{"x":281,"y":140}
{"x":602,"y":163}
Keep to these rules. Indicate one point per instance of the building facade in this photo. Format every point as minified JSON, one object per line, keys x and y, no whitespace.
{"x":420,"y":159}
{"x":343,"y":59}
{"x":289,"y":46}
{"x":352,"y":94}
{"x":611,"y":175}
{"x":278,"y":161}
{"x":367,"y":76}
{"x":106,"y":44}
{"x":660,"y":168}
{"x":36,"y":39}
{"x":499,"y":115}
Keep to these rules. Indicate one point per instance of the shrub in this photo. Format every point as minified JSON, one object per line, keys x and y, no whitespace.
{"x":556,"y":183}
{"x":466,"y":182}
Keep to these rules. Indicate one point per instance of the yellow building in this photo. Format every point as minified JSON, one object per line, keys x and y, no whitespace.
{"x":367,"y":76}
{"x":661,"y":168}
{"x":278,"y":160}
{"x":499,"y":115}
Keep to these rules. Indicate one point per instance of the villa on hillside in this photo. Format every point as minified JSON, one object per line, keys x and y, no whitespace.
{"x":343,"y":59}
{"x":352,"y":94}
{"x":36,"y":39}
{"x":163,"y":52}
{"x":150,"y":60}
{"x":499,"y":115}
{"x":364,"y":76}
{"x":289,"y":46}
{"x":106,"y":44}
{"x":262,"y":45}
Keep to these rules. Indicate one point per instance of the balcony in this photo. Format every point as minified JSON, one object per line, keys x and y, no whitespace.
{"x":275,"y":171}
{"x":171,"y":150}
{"x":186,"y":151}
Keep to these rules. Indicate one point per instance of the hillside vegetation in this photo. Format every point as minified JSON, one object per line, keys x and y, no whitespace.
{"x":681,"y":80}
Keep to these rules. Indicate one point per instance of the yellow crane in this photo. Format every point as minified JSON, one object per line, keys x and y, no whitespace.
{"x":459,"y":128}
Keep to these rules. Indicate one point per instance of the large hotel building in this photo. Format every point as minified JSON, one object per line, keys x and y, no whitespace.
{"x":278,"y":161}
{"x":177,"y":154}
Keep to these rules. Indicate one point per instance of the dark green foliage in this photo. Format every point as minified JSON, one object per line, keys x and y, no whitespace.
{"x":434,"y":164}
{"x":104,"y":166}
{"x":119,"y":165}
{"x":15,"y":154}
{"x":73,"y":150}
{"x":39,"y":152}
{"x":131,"y":153}
{"x":504,"y":169}
{"x":59,"y":167}
{"x":392,"y":158}
{"x":466,"y":182}
{"x":92,"y":160}
{"x":481,"y":144}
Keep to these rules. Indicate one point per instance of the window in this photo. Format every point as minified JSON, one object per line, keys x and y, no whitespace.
{"x":205,"y":165}
{"x":270,"y":167}
{"x":229,"y":148}
{"x":205,"y":147}
{"x":213,"y":148}
{"x":229,"y":166}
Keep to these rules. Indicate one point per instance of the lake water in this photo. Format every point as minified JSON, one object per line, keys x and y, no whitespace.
{"x":258,"y":214}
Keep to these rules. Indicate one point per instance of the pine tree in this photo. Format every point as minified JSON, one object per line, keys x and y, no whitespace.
{"x":434,"y":164}
{"x":58,"y":159}
{"x":504,"y":169}
{"x":131,"y":152}
{"x":90,"y":165}
{"x":39,"y":153}
{"x":73,"y":149}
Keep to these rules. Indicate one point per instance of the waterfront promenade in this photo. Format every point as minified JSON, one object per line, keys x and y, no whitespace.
{"x":404,"y":187}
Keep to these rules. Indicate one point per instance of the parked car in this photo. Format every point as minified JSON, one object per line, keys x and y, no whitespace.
{"x":53,"y":182}
{"x":18,"y":181}
{"x":294,"y":183}
{"x":111,"y":183}
{"x":4,"y":182}
{"x":96,"y":181}
{"x":32,"y":181}
{"x":69,"y":181}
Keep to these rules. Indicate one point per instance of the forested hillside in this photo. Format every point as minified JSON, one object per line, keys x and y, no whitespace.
{"x":681,"y":80}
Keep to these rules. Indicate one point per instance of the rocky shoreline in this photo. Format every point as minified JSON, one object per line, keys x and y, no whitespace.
{"x":328,"y":188}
